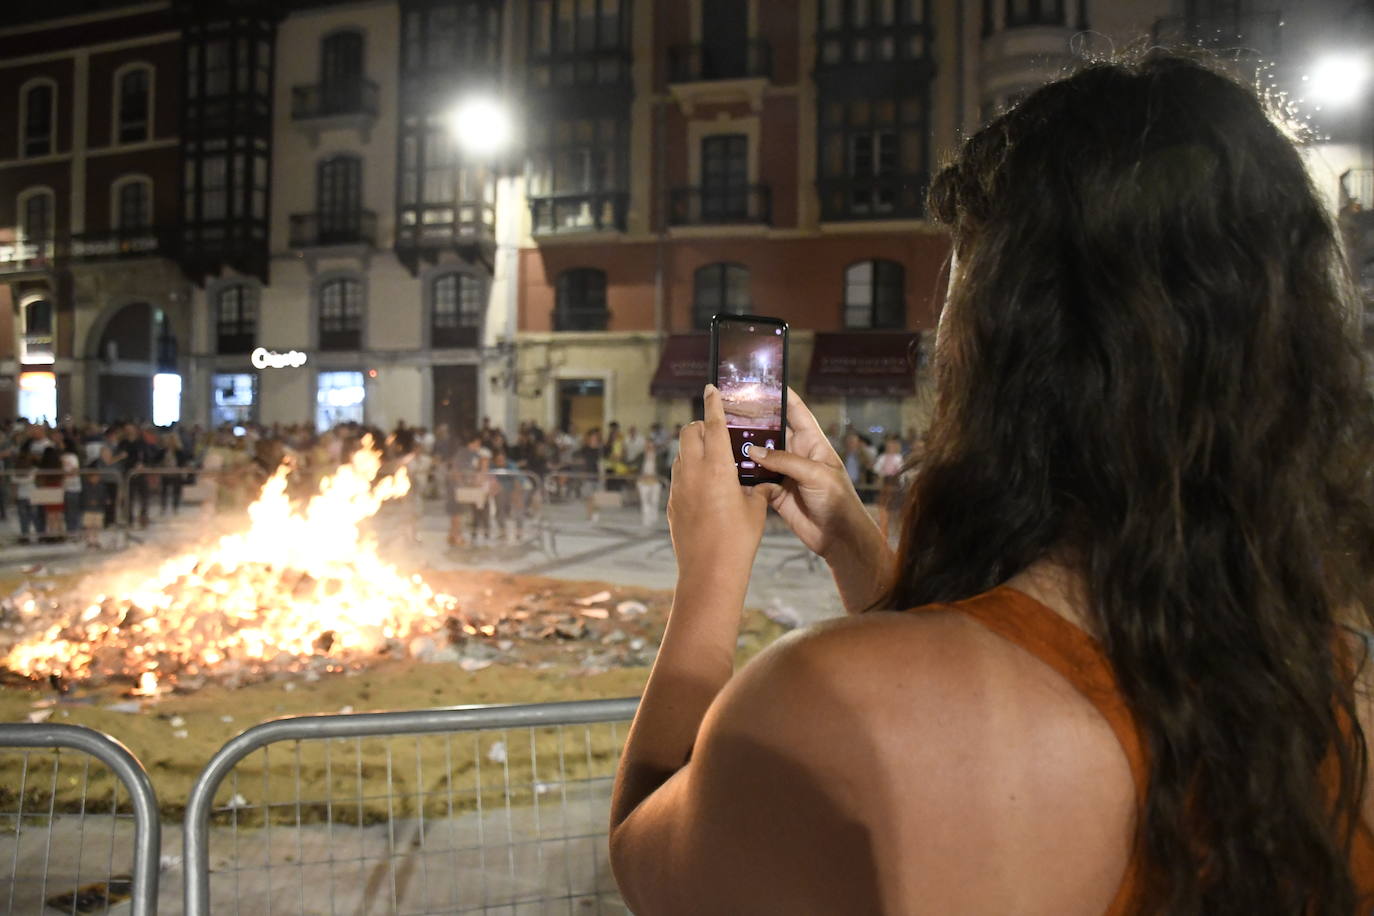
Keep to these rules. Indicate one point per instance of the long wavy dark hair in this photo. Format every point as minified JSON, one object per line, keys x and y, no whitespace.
{"x":1148,"y":368}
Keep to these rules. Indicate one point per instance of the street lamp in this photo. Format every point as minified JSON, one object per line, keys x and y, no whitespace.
{"x":1337,"y":80}
{"x":482,"y":126}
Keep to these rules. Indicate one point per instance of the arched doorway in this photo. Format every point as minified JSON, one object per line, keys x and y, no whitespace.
{"x":137,"y":351}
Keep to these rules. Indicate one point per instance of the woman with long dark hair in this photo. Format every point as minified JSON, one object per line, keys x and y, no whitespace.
{"x":1116,"y":664}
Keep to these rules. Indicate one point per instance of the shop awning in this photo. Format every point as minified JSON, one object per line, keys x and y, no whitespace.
{"x":863,"y":364}
{"x":682,"y":370}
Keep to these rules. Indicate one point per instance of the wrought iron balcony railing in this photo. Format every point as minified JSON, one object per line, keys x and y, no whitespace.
{"x":894,"y":196}
{"x":709,"y":206}
{"x":342,"y":98}
{"x":590,"y":211}
{"x":720,"y":61}
{"x":323,"y":229}
{"x":581,"y":319}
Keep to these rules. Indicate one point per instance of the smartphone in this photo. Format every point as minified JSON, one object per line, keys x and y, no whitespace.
{"x":749,"y":367}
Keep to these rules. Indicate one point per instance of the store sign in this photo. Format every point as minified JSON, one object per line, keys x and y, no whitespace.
{"x":270,"y":359}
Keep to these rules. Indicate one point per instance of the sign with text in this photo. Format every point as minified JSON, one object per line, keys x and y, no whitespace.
{"x":270,"y":359}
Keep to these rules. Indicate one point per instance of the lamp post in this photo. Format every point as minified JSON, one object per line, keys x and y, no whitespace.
{"x":483,"y":127}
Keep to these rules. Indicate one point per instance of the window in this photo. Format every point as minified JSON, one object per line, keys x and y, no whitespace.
{"x":578,"y":173}
{"x":36,"y":345}
{"x":133,"y":204}
{"x":724,"y":178}
{"x":36,"y":216}
{"x":452,"y":34}
{"x":1035,"y":12}
{"x":214,"y":188}
{"x":133,"y":105}
{"x":719,"y":289}
{"x":233,"y":399}
{"x":218,"y":68}
{"x":875,"y":295}
{"x":874,"y":154}
{"x":236,"y":319}
{"x":341,"y":73}
{"x":38,"y":107}
{"x":458,"y":305}
{"x":580,"y":300}
{"x":341,"y":314}
{"x":339,"y":193}
{"x":339,"y":398}
{"x":578,"y":43}
{"x":861,"y":32}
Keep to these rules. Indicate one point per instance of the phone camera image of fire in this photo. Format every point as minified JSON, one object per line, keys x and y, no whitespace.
{"x":751,"y":380}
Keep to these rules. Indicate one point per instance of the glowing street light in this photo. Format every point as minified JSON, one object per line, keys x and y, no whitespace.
{"x":482,"y":126}
{"x":1338,"y":80}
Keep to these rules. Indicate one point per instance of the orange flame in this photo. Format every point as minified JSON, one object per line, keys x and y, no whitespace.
{"x":296,"y":583}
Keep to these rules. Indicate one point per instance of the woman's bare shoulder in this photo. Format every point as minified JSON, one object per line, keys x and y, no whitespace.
{"x":965,"y":755}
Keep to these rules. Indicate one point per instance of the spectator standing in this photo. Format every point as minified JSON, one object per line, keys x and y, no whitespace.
{"x":72,"y":501}
{"x":857,"y":458}
{"x":133,"y":455}
{"x":888,"y":469}
{"x":649,"y":485}
{"x":23,"y":495}
{"x":171,"y":457}
{"x":468,"y":487}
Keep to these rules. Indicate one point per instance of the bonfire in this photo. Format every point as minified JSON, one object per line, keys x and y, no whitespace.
{"x":302,"y":582}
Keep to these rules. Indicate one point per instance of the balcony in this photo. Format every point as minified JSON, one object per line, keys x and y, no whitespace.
{"x":423,"y":232}
{"x":594,"y":211}
{"x":698,"y":206}
{"x":28,"y":256}
{"x":1240,"y":35}
{"x":122,"y":244}
{"x":847,"y":198}
{"x":581,"y":319}
{"x":328,"y":230}
{"x":752,"y":59}
{"x":347,"y":104}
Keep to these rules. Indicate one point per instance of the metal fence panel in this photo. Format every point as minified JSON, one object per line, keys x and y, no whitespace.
{"x":498,"y":809}
{"x":67,"y":832}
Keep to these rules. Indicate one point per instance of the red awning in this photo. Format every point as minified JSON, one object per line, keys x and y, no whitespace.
{"x":863,"y":364}
{"x":682,"y":370}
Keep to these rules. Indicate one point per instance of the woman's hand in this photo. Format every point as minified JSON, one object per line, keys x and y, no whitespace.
{"x":715,"y":522}
{"x":817,"y":499}
{"x":818,"y":502}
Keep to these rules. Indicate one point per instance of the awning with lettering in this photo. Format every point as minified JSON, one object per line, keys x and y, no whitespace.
{"x":682,"y":370}
{"x":863,"y":364}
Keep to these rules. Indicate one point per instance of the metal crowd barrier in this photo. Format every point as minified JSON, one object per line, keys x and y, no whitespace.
{"x":47,"y":801}
{"x":453,"y":810}
{"x":508,"y":505}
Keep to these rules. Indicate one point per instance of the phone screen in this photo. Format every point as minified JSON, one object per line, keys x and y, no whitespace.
{"x":749,"y":360}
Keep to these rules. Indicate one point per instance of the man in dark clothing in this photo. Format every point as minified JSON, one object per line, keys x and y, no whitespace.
{"x":133,"y":456}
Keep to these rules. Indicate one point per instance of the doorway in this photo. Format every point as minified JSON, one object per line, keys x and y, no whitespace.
{"x":455,"y":399}
{"x":581,"y":405}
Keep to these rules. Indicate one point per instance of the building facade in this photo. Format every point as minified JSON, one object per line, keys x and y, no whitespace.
{"x":226,"y":211}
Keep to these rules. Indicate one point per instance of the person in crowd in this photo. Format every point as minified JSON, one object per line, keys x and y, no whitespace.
{"x":634,"y":447}
{"x":48,"y":495}
{"x":73,"y":501}
{"x":503,"y":491}
{"x":469,"y":486}
{"x":671,"y":451}
{"x":1120,"y":662}
{"x":648,"y":484}
{"x":887,"y":467}
{"x":171,"y":457}
{"x":134,"y":455}
{"x":23,"y":479}
{"x":858,"y":459}
{"x":613,"y":457}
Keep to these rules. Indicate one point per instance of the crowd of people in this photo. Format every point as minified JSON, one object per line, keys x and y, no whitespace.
{"x":66,"y":479}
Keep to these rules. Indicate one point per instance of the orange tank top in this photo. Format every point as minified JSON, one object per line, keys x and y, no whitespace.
{"x":1079,"y":659}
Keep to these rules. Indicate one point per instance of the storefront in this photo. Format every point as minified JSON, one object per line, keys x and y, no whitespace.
{"x":233,"y":398}
{"x":873,"y":372}
{"x":38,"y":397}
{"x":340,"y":397}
